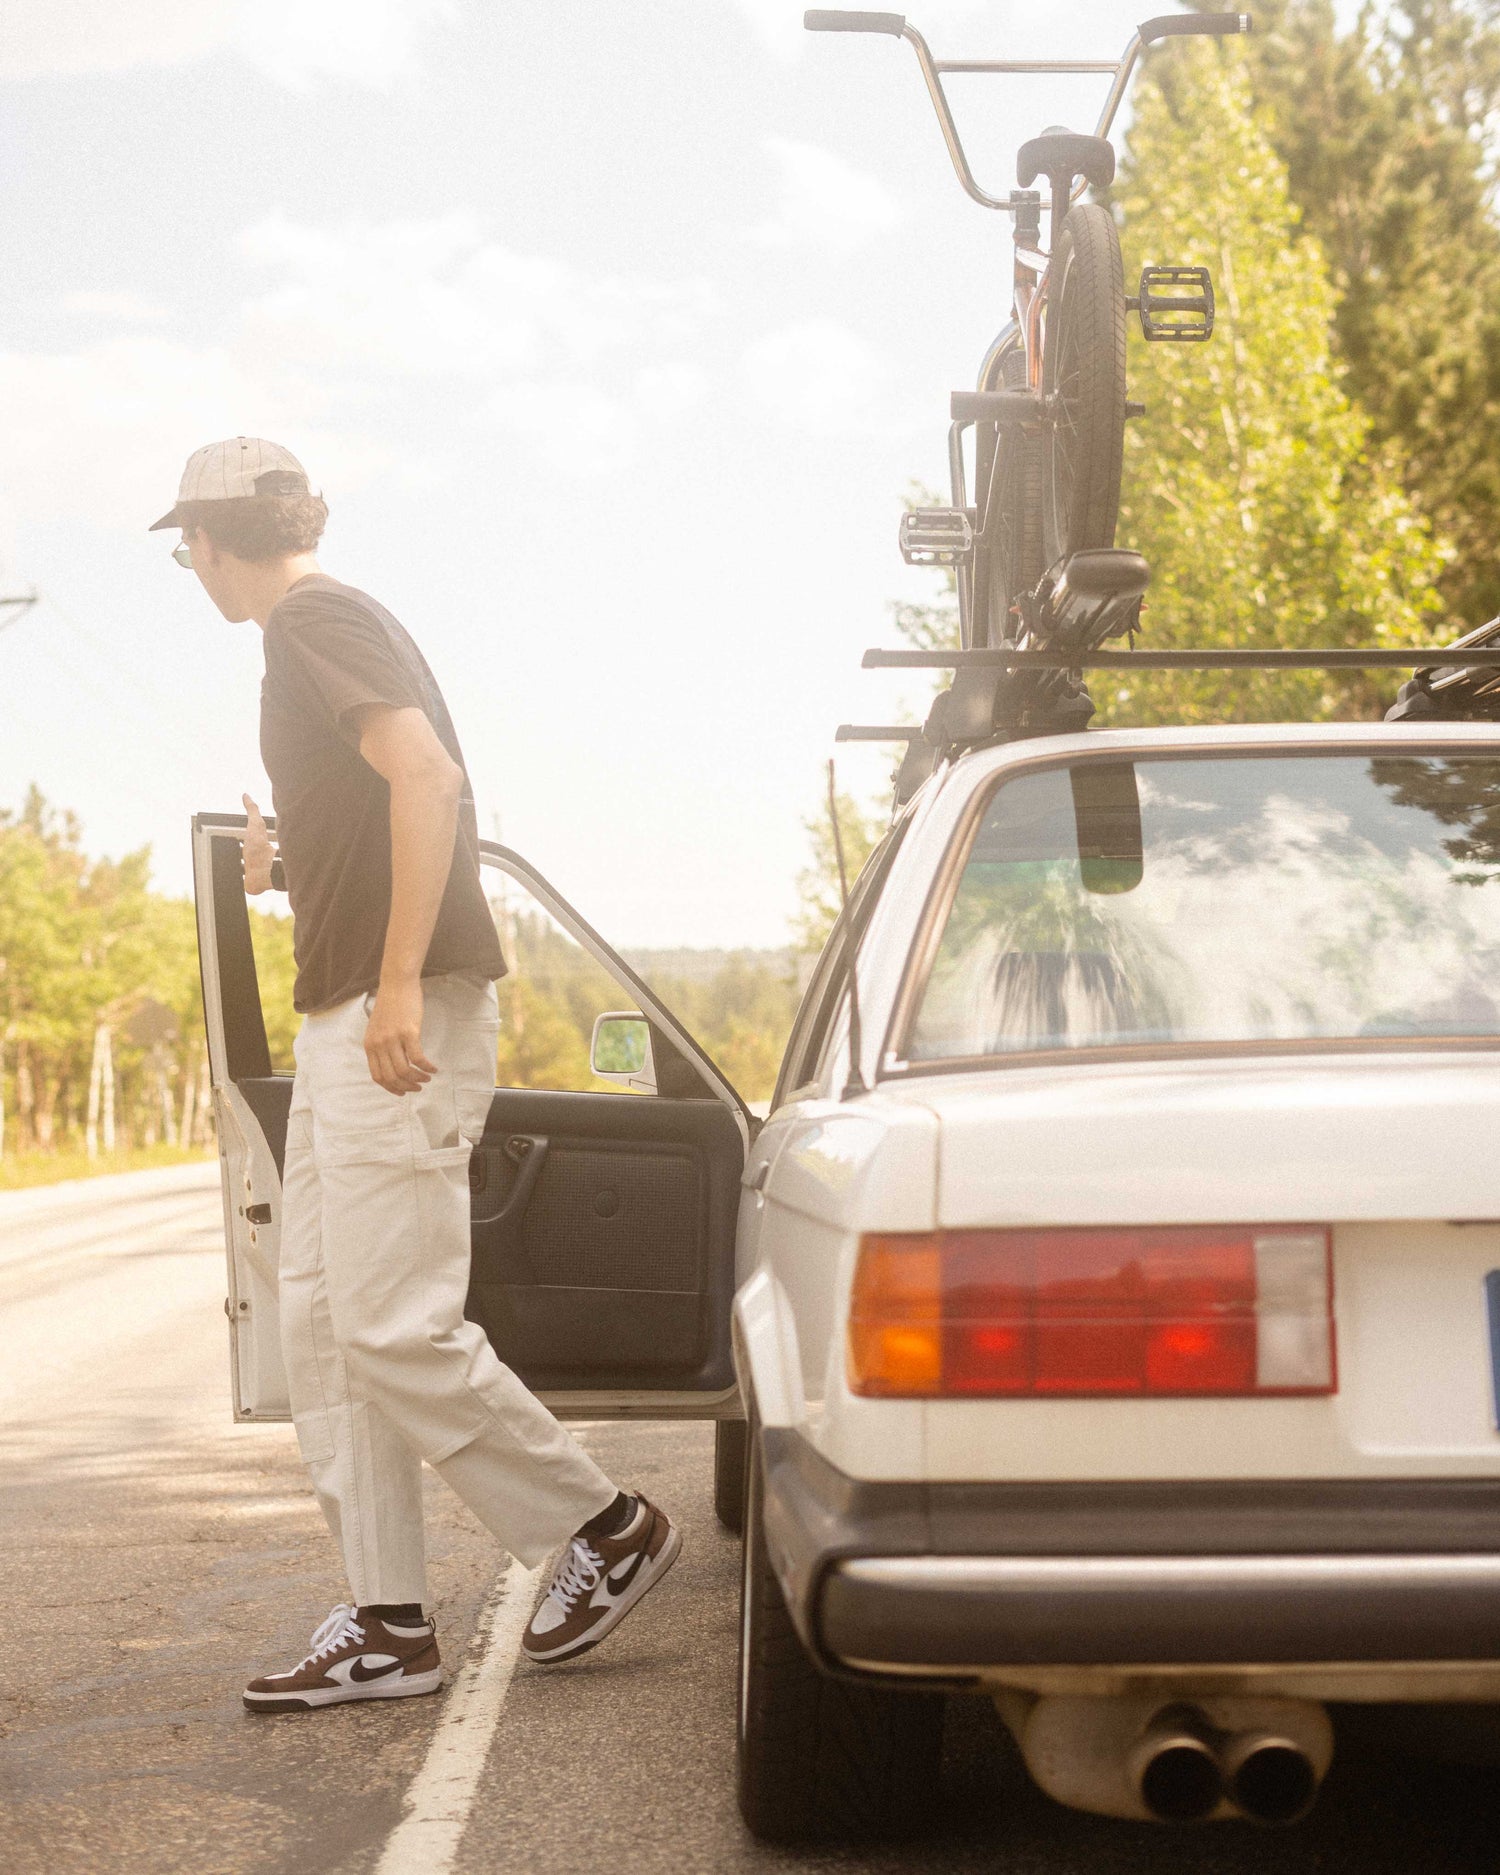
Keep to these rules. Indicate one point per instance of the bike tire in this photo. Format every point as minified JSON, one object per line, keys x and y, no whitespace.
{"x":1016,"y":560}
{"x":1083,"y":383}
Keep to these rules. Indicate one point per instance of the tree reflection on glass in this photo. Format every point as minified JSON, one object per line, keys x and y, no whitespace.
{"x":1276,"y":899}
{"x":1459,"y":792}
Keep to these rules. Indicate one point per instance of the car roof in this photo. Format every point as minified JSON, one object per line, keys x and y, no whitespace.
{"x":1226,"y":738}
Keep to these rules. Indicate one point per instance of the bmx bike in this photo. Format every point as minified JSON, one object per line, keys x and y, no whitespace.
{"x":1032,"y":551}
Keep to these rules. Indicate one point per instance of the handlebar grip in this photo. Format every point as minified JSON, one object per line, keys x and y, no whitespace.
{"x":822,"y":20}
{"x":1171,"y":25}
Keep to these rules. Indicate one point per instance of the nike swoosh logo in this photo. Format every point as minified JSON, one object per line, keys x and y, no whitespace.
{"x":359,"y":1672}
{"x":614,"y":1586}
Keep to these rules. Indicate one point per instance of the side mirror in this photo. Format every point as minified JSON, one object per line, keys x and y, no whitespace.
{"x":621,"y":1050}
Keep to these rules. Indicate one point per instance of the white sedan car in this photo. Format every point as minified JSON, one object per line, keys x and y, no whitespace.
{"x":1115,"y":1318}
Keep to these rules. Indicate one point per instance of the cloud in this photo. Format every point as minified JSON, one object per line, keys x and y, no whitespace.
{"x":426,"y":330}
{"x":361,"y":42}
{"x":440,"y":298}
{"x":97,"y":431}
{"x":296,"y":42}
{"x":776,"y":23}
{"x":814,"y":375}
{"x":825,"y":202}
{"x":126,"y":308}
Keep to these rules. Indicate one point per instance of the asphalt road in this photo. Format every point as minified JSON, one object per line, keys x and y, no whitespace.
{"x":154,"y":1556}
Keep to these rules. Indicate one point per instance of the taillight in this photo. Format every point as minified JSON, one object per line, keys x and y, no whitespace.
{"x":1191,"y":1309}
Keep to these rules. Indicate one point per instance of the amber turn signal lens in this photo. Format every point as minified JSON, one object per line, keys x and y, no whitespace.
{"x":896,"y":1317}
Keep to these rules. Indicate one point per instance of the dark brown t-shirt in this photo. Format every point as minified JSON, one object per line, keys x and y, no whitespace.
{"x":329,"y":650}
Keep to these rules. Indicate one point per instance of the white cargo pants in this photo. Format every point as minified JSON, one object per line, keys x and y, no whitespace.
{"x":382,"y":1367}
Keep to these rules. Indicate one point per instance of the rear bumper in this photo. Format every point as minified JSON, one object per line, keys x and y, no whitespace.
{"x":956,"y":1579}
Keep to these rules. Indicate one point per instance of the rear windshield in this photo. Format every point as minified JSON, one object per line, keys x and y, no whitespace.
{"x":1262,"y":899}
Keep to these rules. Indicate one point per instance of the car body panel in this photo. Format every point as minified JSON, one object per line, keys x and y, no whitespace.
{"x":1368,"y":1136}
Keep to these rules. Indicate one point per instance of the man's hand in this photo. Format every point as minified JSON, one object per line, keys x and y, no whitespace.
{"x":393,"y":1039}
{"x":259,"y":852}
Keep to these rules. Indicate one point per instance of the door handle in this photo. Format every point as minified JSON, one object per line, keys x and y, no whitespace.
{"x":757,"y":1179}
{"x":528,"y":1153}
{"x":497,"y":1252}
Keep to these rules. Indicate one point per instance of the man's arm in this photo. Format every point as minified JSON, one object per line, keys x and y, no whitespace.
{"x":425,"y":784}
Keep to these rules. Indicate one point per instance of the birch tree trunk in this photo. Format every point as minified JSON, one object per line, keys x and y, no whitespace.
{"x":25,"y":1099}
{"x":109,"y":1088}
{"x":203,"y":1120}
{"x":96,"y":1082}
{"x":164,"y":1100}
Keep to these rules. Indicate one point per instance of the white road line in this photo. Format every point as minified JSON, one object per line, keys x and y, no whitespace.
{"x":426,"y":1839}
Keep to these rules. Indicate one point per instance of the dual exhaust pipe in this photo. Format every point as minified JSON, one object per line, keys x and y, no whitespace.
{"x":1174,"y":1761}
{"x":1185,"y":1771}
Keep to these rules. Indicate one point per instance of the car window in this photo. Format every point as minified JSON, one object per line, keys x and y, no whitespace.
{"x":831,"y":973}
{"x":1212,"y":901}
{"x":549,"y":996}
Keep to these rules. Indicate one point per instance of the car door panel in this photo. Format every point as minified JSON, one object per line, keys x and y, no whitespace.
{"x":596,"y":1218}
{"x":602,"y":1223}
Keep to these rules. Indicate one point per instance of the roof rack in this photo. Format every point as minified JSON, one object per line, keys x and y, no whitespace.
{"x":1035,"y":687}
{"x":974,"y":709}
{"x":1005,"y":657}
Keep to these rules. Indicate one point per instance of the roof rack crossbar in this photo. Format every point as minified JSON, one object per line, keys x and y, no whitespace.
{"x":878,"y":732}
{"x":1411,"y":657}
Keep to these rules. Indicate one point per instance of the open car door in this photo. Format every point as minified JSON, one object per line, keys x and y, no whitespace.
{"x":603,"y":1220}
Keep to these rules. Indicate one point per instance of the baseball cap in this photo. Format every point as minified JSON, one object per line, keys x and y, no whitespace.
{"x":229,"y":471}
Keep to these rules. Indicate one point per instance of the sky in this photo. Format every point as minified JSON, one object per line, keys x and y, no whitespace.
{"x":614,"y":336}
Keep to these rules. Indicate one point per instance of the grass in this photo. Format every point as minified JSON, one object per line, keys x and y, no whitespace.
{"x":50,"y":1168}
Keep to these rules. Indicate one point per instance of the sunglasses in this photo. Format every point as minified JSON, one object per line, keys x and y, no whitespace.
{"x":182,"y":553}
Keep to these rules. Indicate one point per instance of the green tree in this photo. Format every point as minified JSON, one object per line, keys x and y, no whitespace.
{"x":541,"y":1043}
{"x":84,"y":944}
{"x":1386,"y":132}
{"x":1250,"y":485}
{"x":818,"y":886}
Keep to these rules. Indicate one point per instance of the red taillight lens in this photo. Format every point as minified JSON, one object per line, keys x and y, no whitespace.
{"x":1211,"y":1309}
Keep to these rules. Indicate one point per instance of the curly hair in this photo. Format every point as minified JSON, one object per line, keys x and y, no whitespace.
{"x":258,"y":527}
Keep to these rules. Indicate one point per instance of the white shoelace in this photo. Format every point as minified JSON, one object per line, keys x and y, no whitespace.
{"x":331,"y":1634}
{"x":577,"y":1573}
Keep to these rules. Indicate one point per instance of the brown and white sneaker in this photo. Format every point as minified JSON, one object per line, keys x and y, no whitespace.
{"x":597,"y":1582}
{"x":354,"y":1656}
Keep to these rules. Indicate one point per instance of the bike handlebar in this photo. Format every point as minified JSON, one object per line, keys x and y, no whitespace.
{"x":824,"y":20}
{"x":1165,"y":26}
{"x":895,"y":26}
{"x":1171,"y":25}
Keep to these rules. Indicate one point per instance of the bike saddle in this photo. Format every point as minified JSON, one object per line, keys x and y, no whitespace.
{"x":1103,"y":573}
{"x":1066,"y":153}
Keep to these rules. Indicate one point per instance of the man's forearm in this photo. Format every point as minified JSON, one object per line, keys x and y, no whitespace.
{"x":424,"y":820}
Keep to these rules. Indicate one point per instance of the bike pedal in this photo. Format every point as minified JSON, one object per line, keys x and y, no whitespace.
{"x":936,"y":537}
{"x":1176,"y":305}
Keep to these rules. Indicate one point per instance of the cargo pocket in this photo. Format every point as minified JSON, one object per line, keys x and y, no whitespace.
{"x":389,"y":1143}
{"x":314,"y":1436}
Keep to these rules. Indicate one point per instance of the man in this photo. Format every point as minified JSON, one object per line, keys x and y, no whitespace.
{"x":396,"y":960}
